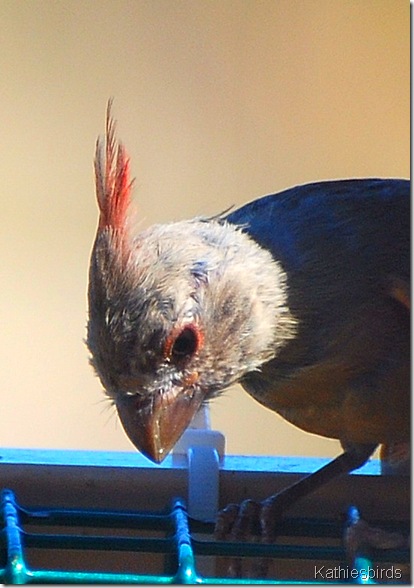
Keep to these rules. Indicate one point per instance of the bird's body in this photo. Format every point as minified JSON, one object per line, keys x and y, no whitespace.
{"x":344,"y":246}
{"x":302,"y":297}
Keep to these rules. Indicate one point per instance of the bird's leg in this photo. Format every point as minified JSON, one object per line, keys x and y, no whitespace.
{"x":273,"y":508}
{"x":259,"y":519}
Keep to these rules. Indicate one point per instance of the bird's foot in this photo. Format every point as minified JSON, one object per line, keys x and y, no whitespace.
{"x":250,"y":521}
{"x":361,"y":537}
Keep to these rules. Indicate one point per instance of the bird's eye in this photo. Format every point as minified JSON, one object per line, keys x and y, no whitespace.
{"x":186,"y":343}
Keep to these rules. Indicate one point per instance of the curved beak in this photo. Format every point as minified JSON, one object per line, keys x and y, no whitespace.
{"x":155,"y":423}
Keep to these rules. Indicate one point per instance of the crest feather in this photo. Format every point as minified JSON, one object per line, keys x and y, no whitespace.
{"x":113,"y":184}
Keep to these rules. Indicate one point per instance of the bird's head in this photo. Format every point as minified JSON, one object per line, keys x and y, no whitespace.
{"x":177,"y":313}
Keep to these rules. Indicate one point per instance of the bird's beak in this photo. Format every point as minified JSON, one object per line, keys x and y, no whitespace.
{"x":155,"y":423}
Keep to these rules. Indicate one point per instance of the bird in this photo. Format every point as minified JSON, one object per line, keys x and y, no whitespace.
{"x":302,"y":297}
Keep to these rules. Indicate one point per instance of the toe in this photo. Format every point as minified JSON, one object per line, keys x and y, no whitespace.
{"x":271,"y":512}
{"x":247,"y":524}
{"x":226,"y":519}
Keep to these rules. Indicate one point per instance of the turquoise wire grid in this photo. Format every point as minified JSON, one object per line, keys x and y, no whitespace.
{"x":176,"y":541}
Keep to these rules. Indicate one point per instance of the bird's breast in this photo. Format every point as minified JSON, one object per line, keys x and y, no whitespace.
{"x":331,"y":401}
{"x":357,"y":391}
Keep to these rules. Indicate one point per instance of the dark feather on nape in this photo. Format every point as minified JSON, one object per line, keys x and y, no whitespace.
{"x":219,"y":217}
{"x":199,"y":271}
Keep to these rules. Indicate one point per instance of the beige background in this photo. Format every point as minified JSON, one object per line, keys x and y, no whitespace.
{"x":218,"y":102}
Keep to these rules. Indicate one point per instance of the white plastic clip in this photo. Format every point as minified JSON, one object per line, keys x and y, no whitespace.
{"x":203,"y":448}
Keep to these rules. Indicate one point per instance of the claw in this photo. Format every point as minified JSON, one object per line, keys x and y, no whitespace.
{"x":226,"y":519}
{"x":273,"y":509}
{"x":247,"y":525}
